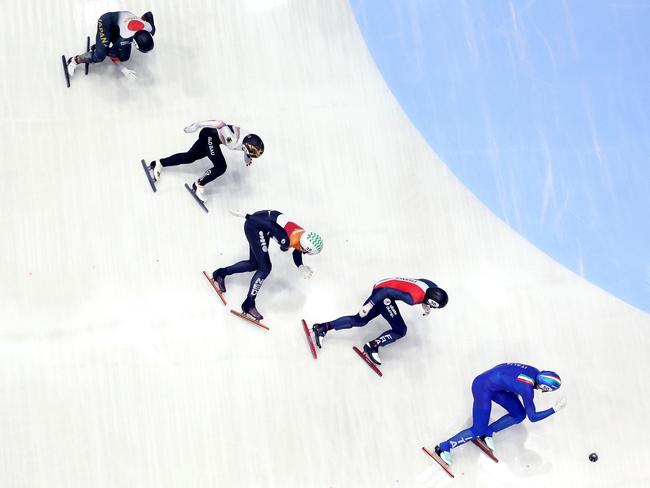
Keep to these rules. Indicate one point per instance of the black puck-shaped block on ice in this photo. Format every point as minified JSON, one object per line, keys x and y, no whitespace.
{"x":593,"y":457}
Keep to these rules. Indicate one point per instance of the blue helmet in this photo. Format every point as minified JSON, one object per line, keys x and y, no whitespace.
{"x":548,"y":381}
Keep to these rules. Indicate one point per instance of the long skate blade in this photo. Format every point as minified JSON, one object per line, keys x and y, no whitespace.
{"x":311,"y":341}
{"x":483,"y":447}
{"x":249,"y":319}
{"x":198,"y":200}
{"x":367,"y":360}
{"x":440,"y":462}
{"x":65,"y":70}
{"x":215,"y":287}
{"x":146,"y":172}
{"x":87,"y":50}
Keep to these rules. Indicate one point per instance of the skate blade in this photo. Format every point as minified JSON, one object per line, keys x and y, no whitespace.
{"x":483,"y":447}
{"x":198,"y":200}
{"x":215,"y":287}
{"x":367,"y":360}
{"x":440,"y":462}
{"x":248,"y":318}
{"x":311,"y":341}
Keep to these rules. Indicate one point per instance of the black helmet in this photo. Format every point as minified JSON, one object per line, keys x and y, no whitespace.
{"x":436,"y":297}
{"x":143,"y":41}
{"x":253,"y":145}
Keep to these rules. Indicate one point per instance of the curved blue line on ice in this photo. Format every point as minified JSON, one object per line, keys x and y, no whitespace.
{"x":543,"y":113}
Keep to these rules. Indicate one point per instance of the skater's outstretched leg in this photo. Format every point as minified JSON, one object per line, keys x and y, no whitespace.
{"x":196,"y":152}
{"x":346,"y":322}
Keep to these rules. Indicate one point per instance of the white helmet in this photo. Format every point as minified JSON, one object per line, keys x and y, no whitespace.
{"x":311,"y":243}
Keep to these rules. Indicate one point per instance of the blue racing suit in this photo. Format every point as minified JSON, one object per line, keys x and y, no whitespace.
{"x":501,"y":384}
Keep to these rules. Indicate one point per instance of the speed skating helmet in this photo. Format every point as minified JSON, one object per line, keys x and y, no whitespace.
{"x":548,"y":381}
{"x":311,"y":243}
{"x":436,"y":297}
{"x":143,"y":41}
{"x":253,"y":145}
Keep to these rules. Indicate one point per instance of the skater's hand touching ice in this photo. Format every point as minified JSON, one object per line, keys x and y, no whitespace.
{"x":560,"y":404}
{"x":306,"y":272}
{"x":191,"y":128}
{"x":129,"y":74}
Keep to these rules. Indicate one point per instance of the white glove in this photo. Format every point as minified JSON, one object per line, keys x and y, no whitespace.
{"x":561,"y":403}
{"x":190,"y":128}
{"x":306,"y":271}
{"x":236,"y":213}
{"x":426,"y":309}
{"x":247,"y":160}
{"x":129,"y":74}
{"x":365,"y":309}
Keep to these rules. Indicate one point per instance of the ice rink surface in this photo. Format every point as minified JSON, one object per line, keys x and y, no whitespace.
{"x":120,"y":368}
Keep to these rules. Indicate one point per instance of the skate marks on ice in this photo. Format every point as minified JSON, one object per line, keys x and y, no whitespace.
{"x":215,"y":287}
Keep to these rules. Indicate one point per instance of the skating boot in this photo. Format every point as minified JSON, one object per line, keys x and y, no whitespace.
{"x":220,"y":280}
{"x":72,"y":65}
{"x":155,"y":168}
{"x":199,"y":190}
{"x":489,"y":442}
{"x":249,"y":309}
{"x":372,"y":350}
{"x":319,"y":333}
{"x":444,"y":455}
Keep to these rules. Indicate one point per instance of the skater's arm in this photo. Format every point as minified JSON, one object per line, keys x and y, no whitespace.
{"x":280,"y":236}
{"x":148,"y":17}
{"x":213,"y":124}
{"x":430,"y":283}
{"x":532,"y":414}
{"x":297,"y":258}
{"x":230,"y":135}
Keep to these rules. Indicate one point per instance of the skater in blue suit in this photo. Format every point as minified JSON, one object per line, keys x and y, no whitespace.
{"x":259,"y":228}
{"x":382,"y":302}
{"x":503,"y":384}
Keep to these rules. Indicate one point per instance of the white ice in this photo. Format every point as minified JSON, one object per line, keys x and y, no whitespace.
{"x":120,"y":368}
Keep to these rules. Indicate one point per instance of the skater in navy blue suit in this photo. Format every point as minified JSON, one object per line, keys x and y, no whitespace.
{"x":259,"y":228}
{"x":503,"y":384}
{"x":116,"y":31}
{"x":382,"y":302}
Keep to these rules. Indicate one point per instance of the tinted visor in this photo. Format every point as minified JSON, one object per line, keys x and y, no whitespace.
{"x":252,"y":151}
